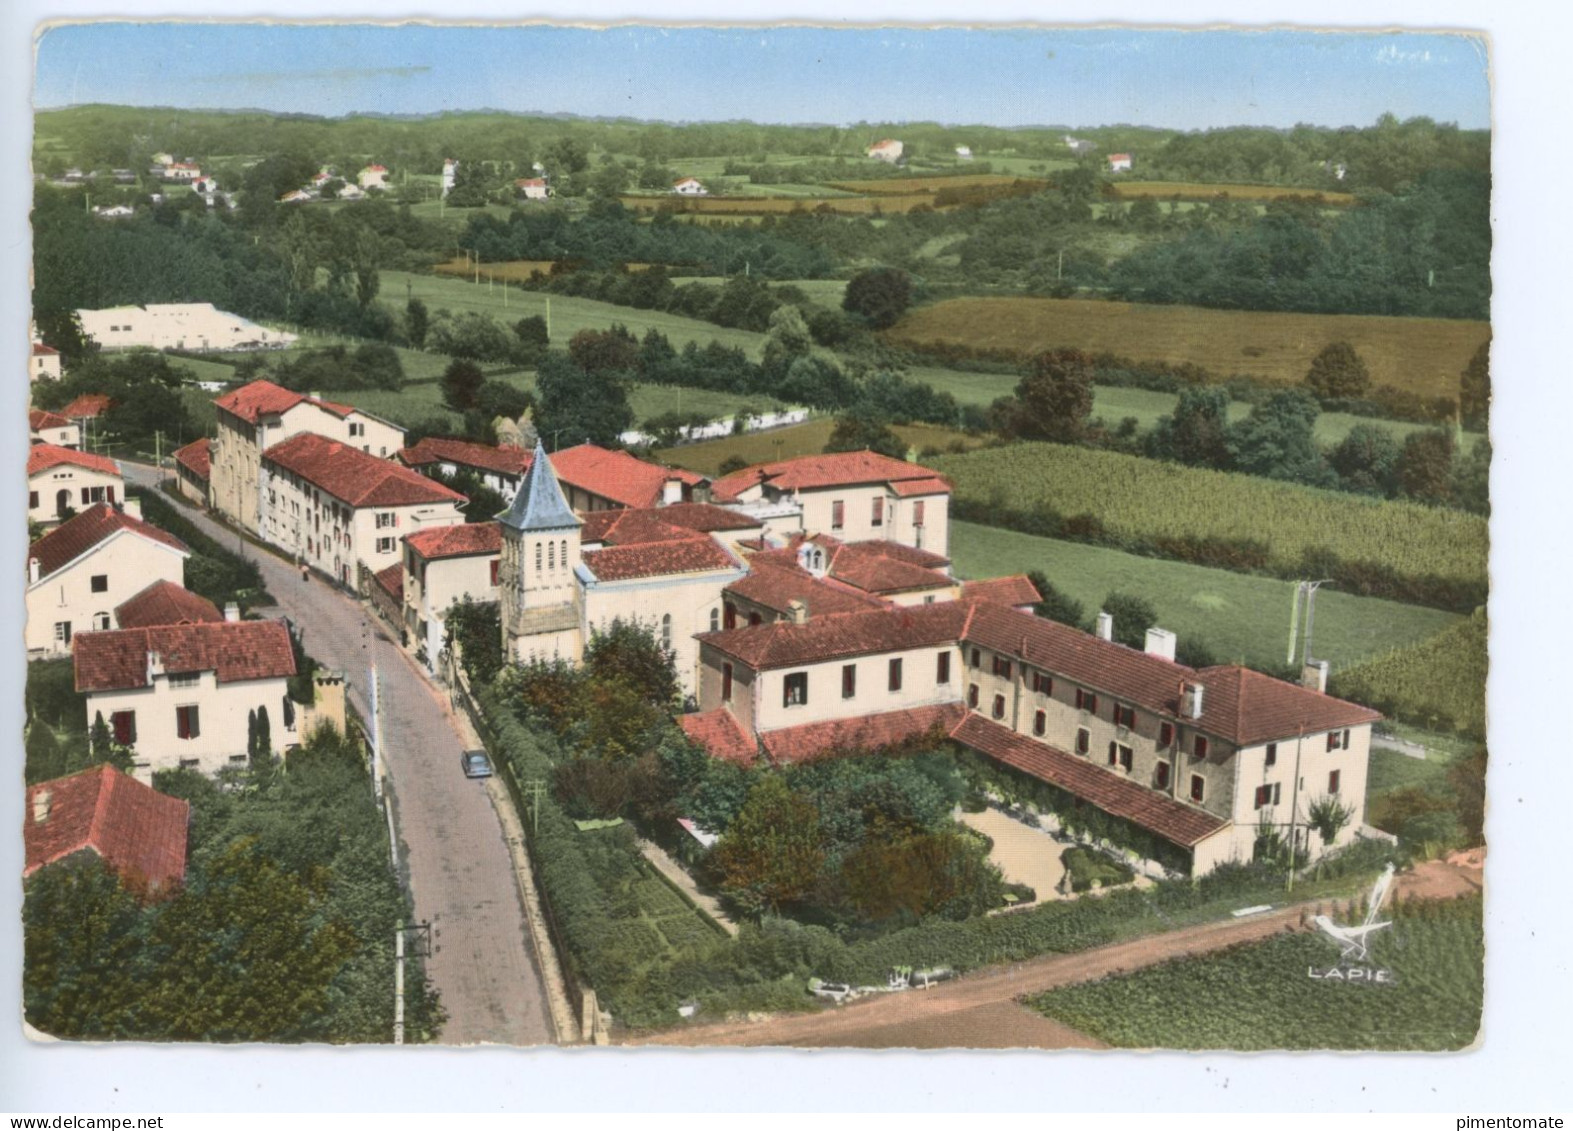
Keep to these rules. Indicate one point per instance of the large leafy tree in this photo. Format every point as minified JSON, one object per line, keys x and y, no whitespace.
{"x":880,"y":295}
{"x":1133,"y":616}
{"x":772,"y":853}
{"x":1198,"y":432}
{"x":1338,"y":373}
{"x":1278,"y":440}
{"x":1474,"y":387}
{"x":1054,"y":398}
{"x":461,"y":384}
{"x":1366,"y":460}
{"x":1425,"y":466}
{"x":576,"y":406}
{"x":855,"y":431}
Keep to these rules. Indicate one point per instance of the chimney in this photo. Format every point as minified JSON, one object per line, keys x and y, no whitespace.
{"x":32,"y":570}
{"x":1314,"y":675}
{"x":1160,"y":643}
{"x":314,"y":395}
{"x":1105,"y":626}
{"x":798,"y":611}
{"x":671,"y":492}
{"x":41,"y":801}
{"x":1191,"y":705}
{"x":231,"y":611}
{"x":155,"y":666}
{"x":132,"y":507}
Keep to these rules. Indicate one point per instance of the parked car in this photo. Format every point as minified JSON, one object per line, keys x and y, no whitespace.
{"x":476,"y":764}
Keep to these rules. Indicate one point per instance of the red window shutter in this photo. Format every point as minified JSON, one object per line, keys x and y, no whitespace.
{"x":1332,"y":740}
{"x":1166,"y":734}
{"x":109,"y":492}
{"x":84,"y":496}
{"x":1083,"y":740}
{"x":1332,"y":781}
{"x":1201,"y":746}
{"x":917,"y":513}
{"x":972,"y":696}
{"x":1114,"y":754}
{"x":494,"y":571}
{"x":726,"y":683}
{"x":32,"y":499}
{"x":1039,"y":723}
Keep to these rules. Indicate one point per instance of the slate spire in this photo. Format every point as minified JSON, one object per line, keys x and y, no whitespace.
{"x":540,"y":504}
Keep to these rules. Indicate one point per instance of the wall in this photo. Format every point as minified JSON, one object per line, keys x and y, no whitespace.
{"x":432,"y":587}
{"x":67,"y":436}
{"x":825,"y":702}
{"x":897,"y":519}
{"x":222,"y":721}
{"x":128,"y":562}
{"x":47,"y":485}
{"x":1316,"y":762}
{"x":688,"y":599}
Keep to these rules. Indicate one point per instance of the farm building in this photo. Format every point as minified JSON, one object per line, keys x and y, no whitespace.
{"x":1119,"y":162}
{"x":177,"y":325}
{"x":373,"y":177}
{"x":964,"y":153}
{"x":690,"y":186}
{"x":45,"y":363}
{"x":887,"y":150}
{"x":450,"y":169}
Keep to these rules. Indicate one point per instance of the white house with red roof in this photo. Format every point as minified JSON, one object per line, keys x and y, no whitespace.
{"x":44,"y":427}
{"x":888,"y":150}
{"x":499,"y":467}
{"x":182,"y":172}
{"x":373,"y":177}
{"x":63,"y":481}
{"x":84,"y":569}
{"x":137,"y":831}
{"x":852,"y":496}
{"x":340,"y":510}
{"x":193,"y":469}
{"x":184,"y":695}
{"x":259,"y":415}
{"x":1195,"y":761}
{"x":44,"y":364}
{"x":531,"y":188}
{"x":1119,"y":162}
{"x":690,"y":186}
{"x":178,"y":325}
{"x":442,"y":566}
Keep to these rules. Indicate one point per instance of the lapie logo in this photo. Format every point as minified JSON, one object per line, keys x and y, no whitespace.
{"x":1354,"y":944}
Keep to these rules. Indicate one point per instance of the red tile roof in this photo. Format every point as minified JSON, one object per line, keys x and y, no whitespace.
{"x":41,"y":457}
{"x":888,"y":629}
{"x":356,"y":477}
{"x":459,"y":541}
{"x":690,"y":553}
{"x":263,"y":398}
{"x":775,"y":586}
{"x":841,"y":469}
{"x":867,"y":566}
{"x":41,"y":350}
{"x":39,"y":419}
{"x":503,"y":460}
{"x":1011,"y":591}
{"x":139,"y":832}
{"x":391,"y":580}
{"x":76,"y":536}
{"x":164,"y":602}
{"x":1250,"y":707}
{"x":87,"y":405}
{"x":721,"y":735}
{"x":235,"y":650}
{"x":196,"y":457}
{"x":1173,"y":820}
{"x":909,"y":488}
{"x":706,"y":518}
{"x":1239,"y":705}
{"x":813,"y":741}
{"x":617,"y":476}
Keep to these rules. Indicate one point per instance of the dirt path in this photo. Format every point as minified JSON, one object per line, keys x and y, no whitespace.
{"x":1025,"y":855}
{"x":982,"y":1010}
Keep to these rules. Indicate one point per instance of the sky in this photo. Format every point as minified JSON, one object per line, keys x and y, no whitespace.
{"x":1005,"y":77}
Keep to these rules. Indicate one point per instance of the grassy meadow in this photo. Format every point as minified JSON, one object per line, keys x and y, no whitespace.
{"x":804,"y":439}
{"x":1240,"y":617}
{"x":1422,"y":355}
{"x":1199,"y":191}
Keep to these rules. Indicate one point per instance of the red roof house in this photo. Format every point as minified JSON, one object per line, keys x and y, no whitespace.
{"x":356,"y":477}
{"x":138,"y":832}
{"x":164,"y":602}
{"x":596,"y":477}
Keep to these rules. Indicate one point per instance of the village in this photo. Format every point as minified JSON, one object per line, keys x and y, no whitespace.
{"x":527,"y":580}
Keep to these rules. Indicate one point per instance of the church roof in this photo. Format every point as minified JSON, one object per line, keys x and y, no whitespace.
{"x":540,"y":504}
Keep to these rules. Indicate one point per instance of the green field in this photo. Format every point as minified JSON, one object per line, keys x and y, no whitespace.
{"x":1241,"y":618}
{"x":568,"y":315}
{"x":798,"y":440}
{"x":1141,"y":500}
{"x":1261,"y":997}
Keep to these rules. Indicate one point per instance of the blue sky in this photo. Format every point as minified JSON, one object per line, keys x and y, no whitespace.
{"x":1076,"y":77}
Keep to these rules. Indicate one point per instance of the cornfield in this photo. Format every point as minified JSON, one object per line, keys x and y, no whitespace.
{"x":1439,"y":683}
{"x":1424,"y":356}
{"x":1261,"y":996}
{"x":1139,"y":502}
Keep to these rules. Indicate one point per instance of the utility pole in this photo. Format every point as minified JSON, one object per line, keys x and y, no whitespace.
{"x":1310,"y":612}
{"x":534,"y":787}
{"x":1294,"y":804}
{"x":548,"y":317}
{"x":1294,"y":620}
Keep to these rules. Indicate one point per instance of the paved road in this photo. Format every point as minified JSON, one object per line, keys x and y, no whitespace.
{"x":459,"y":868}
